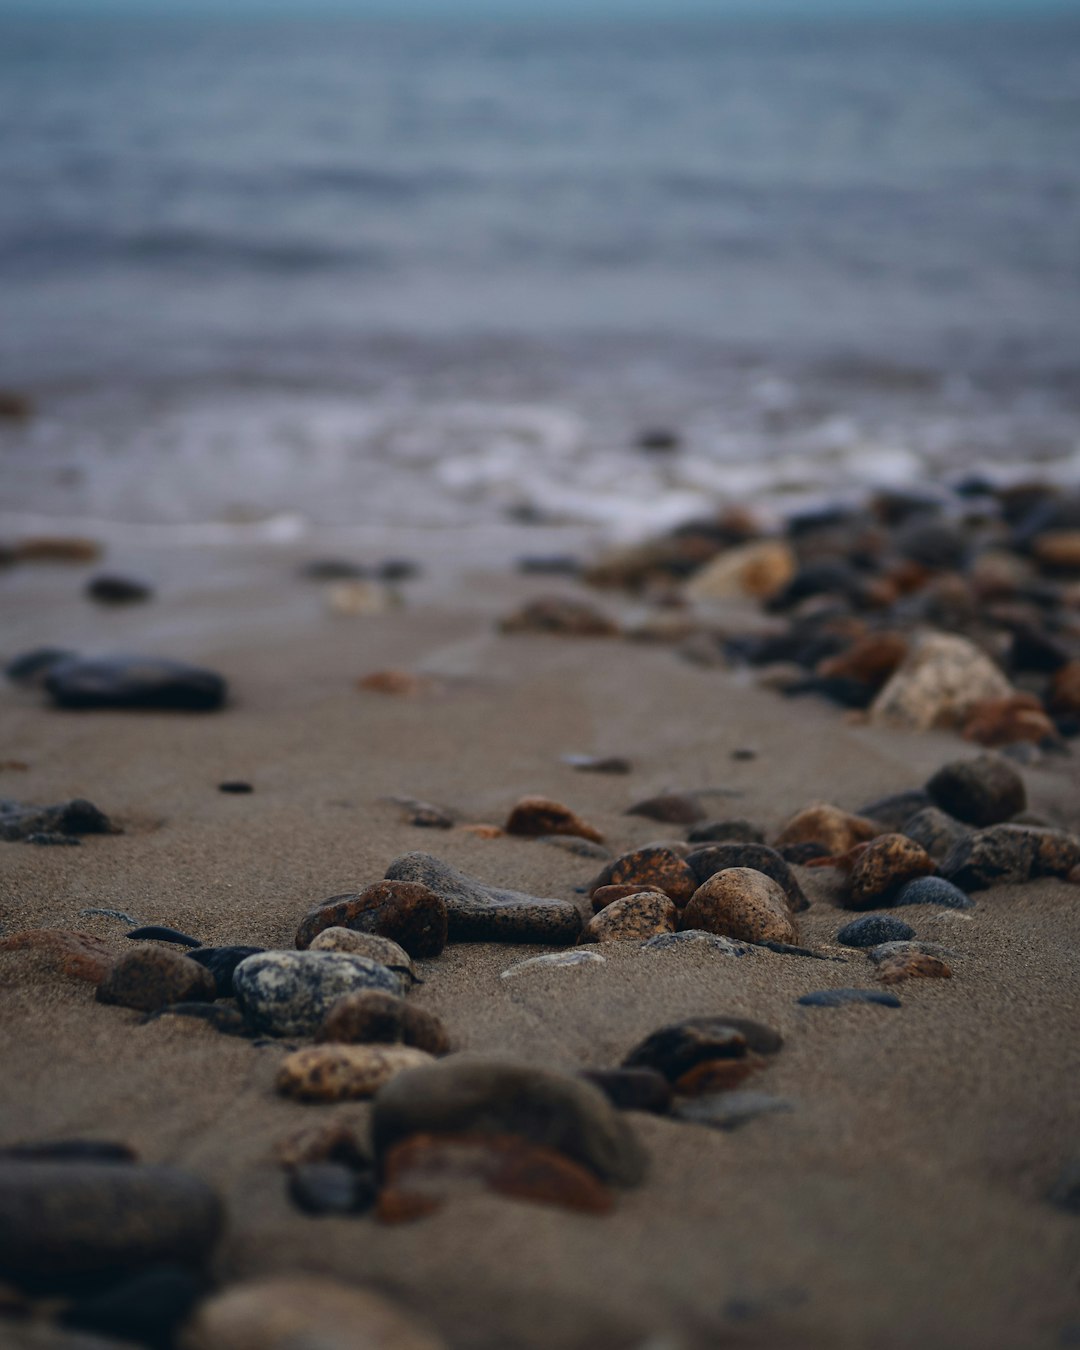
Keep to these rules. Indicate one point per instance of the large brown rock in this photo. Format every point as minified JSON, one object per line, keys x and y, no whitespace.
{"x":373,"y":1016}
{"x":407,"y":912}
{"x":835,"y":830}
{"x":883,"y":867}
{"x":534,"y":817}
{"x":741,"y":903}
{"x":149,"y":978}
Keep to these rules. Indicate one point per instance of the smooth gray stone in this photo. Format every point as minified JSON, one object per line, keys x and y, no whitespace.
{"x":837,"y":998}
{"x":697,"y":939}
{"x":21,"y":821}
{"x":134,"y":682}
{"x":932,"y":891}
{"x":290,"y":993}
{"x":554,"y":961}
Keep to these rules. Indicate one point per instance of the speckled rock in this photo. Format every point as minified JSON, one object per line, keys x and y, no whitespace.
{"x":290,"y":993}
{"x":672,"y":808}
{"x":836,"y":830}
{"x":931,"y":891}
{"x":650,"y":868}
{"x":634,"y":917}
{"x":743,"y":904}
{"x":61,"y":1221}
{"x":536,"y":816}
{"x":554,"y":961}
{"x":942,"y":679}
{"x":134,"y":682}
{"x":838,"y":998}
{"x":880,"y":871}
{"x":304,"y":1312}
{"x":221,"y":962}
{"x":371,"y":1015}
{"x":734,"y":831}
{"x":912,"y":965}
{"x":477,"y":912}
{"x":873,"y":929}
{"x":403,"y":910}
{"x":632,"y":1089}
{"x":338,"y":1073}
{"x":382,"y":949}
{"x":80,"y":955}
{"x":935,"y":830}
{"x":696,"y":939}
{"x":706,"y":862}
{"x":607,"y":895}
{"x":1007,"y":854}
{"x":981,"y":792}
{"x":682,"y":1047}
{"x":151,"y":977}
{"x":473,"y":1095}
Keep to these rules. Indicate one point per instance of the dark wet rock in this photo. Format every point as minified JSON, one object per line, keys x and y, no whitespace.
{"x":934,"y":544}
{"x":798,"y":855}
{"x":659,"y":440}
{"x":936,"y":831}
{"x":673,"y":808}
{"x":71,"y":1150}
{"x":650,"y":868}
{"x":117,"y":590}
{"x":220,"y":1018}
{"x":882,"y":868}
{"x":873,"y":929}
{"x":828,"y":576}
{"x":706,"y":862}
{"x":25,"y":822}
{"x":457,"y":1095}
{"x":1034,"y":648}
{"x":632,"y":1089}
{"x":837,"y":998}
{"x":63,"y":1221}
{"x":331,"y":1188}
{"x":730,"y":1110}
{"x":236,"y":787}
{"x":403,"y":909}
{"x":337,"y":1072}
{"x":726,"y":832}
{"x":151,"y":977}
{"x":580,"y":848}
{"x":697,"y":939}
{"x":932,"y":891}
{"x":369,"y":1015}
{"x":146,"y":1309}
{"x":534,"y":817}
{"x":837,"y":831}
{"x":893,"y":812}
{"x":1007,"y":854}
{"x":562,"y":616}
{"x":676,"y":1050}
{"x":1065,"y":1192}
{"x":81,"y":955}
{"x":981,"y":792}
{"x":477,"y":912}
{"x":135,"y":682}
{"x":333,"y":569}
{"x":743,"y":904}
{"x":221,"y":962}
{"x":290,"y":993}
{"x":614,"y":764}
{"x":633,"y":917}
{"x":155,"y":933}
{"x":30,"y":668}
{"x":553,"y":961}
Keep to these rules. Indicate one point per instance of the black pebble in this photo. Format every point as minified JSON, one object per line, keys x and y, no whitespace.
{"x":31,"y":667}
{"x":235,"y":785}
{"x":331,"y":1188}
{"x":873,"y":929}
{"x":155,"y":933}
{"x":836,"y":998}
{"x":134,"y":682}
{"x":112,"y":590}
{"x":632,"y":1089}
{"x":221,"y":962}
{"x":145,"y":1309}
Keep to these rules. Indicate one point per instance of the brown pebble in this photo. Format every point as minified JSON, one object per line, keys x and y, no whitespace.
{"x":407,"y":912}
{"x":369,"y":1015}
{"x":870,"y":660}
{"x":650,"y":868}
{"x":607,"y":895}
{"x":560,"y":615}
{"x":673,"y":808}
{"x":641,"y":915}
{"x":481,"y":831}
{"x":1064,"y":696}
{"x":536,"y":816}
{"x":1006,"y":721}
{"x":912,"y":965}
{"x":400,"y":682}
{"x":883,"y":868}
{"x":81,"y":955}
{"x":741,"y":903}
{"x":336,"y":1073}
{"x":717,"y":1075}
{"x":149,"y":978}
{"x":46,"y":548}
{"x":836,"y":830}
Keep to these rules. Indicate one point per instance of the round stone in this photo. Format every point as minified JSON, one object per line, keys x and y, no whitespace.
{"x":290,"y":993}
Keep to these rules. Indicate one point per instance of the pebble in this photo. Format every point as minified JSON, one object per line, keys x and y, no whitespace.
{"x":403,"y":910}
{"x":888,"y":951}
{"x":134,"y":682}
{"x":554,"y":961}
{"x":221,"y":962}
{"x":744,"y":904}
{"x":359,"y":598}
{"x":154,"y":932}
{"x":533,"y":817}
{"x":943,"y":678}
{"x":682,"y":1047}
{"x":869,"y":662}
{"x":883,"y":867}
{"x":333,"y":1141}
{"x":634,"y":917}
{"x":225,"y":1020}
{"x":932,"y":891}
{"x":152,"y":977}
{"x":673,"y":808}
{"x":580,"y":848}
{"x":387,"y":952}
{"x":935,"y":830}
{"x":477,"y":912}
{"x":632,"y":1089}
{"x":698,"y":940}
{"x":562,"y":616}
{"x":235,"y":787}
{"x":980,"y":792}
{"x":320,"y":1188}
{"x":146,"y":1309}
{"x":726,"y":831}
{"x":63,"y":1221}
{"x":706,"y":862}
{"x":290,"y":993}
{"x":117,"y":590}
{"x":71,"y":1150}
{"x":1008,"y":854}
{"x":892,"y":812}
{"x":1064,"y":693}
{"x":302,"y":1312}
{"x":614,"y":764}
{"x":457,"y":1095}
{"x":758,"y":570}
{"x":373,"y":1016}
{"x":58,"y":549}
{"x":1016,"y":720}
{"x":21,"y":821}
{"x":800,"y":855}
{"x":401,"y":683}
{"x":424,"y":815}
{"x":729,"y":1110}
{"x":1065,"y":1192}
{"x":650,"y":868}
{"x":338,"y":1073}
{"x":873,"y":929}
{"x":30,"y":668}
{"x":912,"y":965}
{"x":81,"y":955}
{"x":837,"y":998}
{"x":835,"y":830}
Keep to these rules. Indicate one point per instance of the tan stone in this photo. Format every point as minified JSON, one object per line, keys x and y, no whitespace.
{"x":356,"y":599}
{"x":943,"y":678}
{"x":756,"y":571}
{"x":1058,"y":550}
{"x":336,"y":1073}
{"x":820,"y":823}
{"x":741,"y":903}
{"x":641,"y":915}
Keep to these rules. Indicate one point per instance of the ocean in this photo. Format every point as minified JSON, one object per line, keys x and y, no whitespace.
{"x":341,"y":273}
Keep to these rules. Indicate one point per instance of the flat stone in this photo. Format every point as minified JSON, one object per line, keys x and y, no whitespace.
{"x":472,"y":1095}
{"x":743,"y":904}
{"x":290,"y":993}
{"x":221,"y":962}
{"x":1006,"y":854}
{"x":835,"y":830}
{"x":673,"y":808}
{"x":681,"y":1047}
{"x":931,"y":891}
{"x":882,"y":869}
{"x":63,"y":1221}
{"x":338,"y":1073}
{"x":650,"y":868}
{"x":80,"y":955}
{"x":401,"y":909}
{"x":30,"y":668}
{"x":706,"y":862}
{"x":134,"y":682}
{"x":371,"y":1015}
{"x":477,"y":912}
{"x":632,"y":1089}
{"x":730,"y":1110}
{"x":110,"y":589}
{"x":155,"y":932}
{"x":235,"y":787}
{"x":554,"y":961}
{"x":736,"y":831}
{"x":319,"y":1188}
{"x":697,"y":939}
{"x":837,"y":998}
{"x":21,"y":821}
{"x":536,"y":816}
{"x":873,"y":929}
{"x":614,"y":764}
{"x":980,"y":792}
{"x":152,"y":977}
{"x":632,"y":918}
{"x":424,"y":815}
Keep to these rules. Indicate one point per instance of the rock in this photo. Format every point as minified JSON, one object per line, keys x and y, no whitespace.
{"x":744,"y":904}
{"x":63,"y":1221}
{"x":334,"y":1141}
{"x":931,"y":891}
{"x":1008,"y":854}
{"x":423,"y":1172}
{"x":726,"y":832}
{"x":338,"y":1073}
{"x":935,"y":831}
{"x":221,"y":962}
{"x":477,"y":912}
{"x":71,"y":1150}
{"x":789,"y":949}
{"x":887,"y":951}
{"x":869,"y":662}
{"x":873,"y":929}
{"x":634,"y":917}
{"x":673,"y":808}
{"x":226,"y":1021}
{"x":156,"y":933}
{"x":560,"y":615}
{"x":598,"y":763}
{"x":696,"y":939}
{"x":607,"y":895}
{"x":835,"y":830}
{"x":837,"y":998}
{"x":983,"y":791}
{"x":80,"y":955}
{"x":535,"y":816}
{"x":466,"y":1095}
{"x":30,"y":668}
{"x":882,"y":868}
{"x":303,"y":1312}
{"x":729,"y":1110}
{"x":20,"y":821}
{"x":235,"y":787}
{"x":803,"y":855}
{"x":147,"y":1308}
{"x":134,"y":682}
{"x":370,"y":1015}
{"x":424,"y":815}
{"x":1064,"y":694}
{"x":1065,"y":1192}
{"x":755,"y":571}
{"x":290,"y":993}
{"x":554,"y":961}
{"x":706,"y":862}
{"x":151,"y":977}
{"x":402,"y":683}
{"x":55,"y":549}
{"x":894,"y":811}
{"x":912,"y":965}
{"x":680,"y":1049}
{"x":1058,"y":550}
{"x":939,"y":683}
{"x":359,"y":599}
{"x":116,"y":590}
{"x":320,"y":1188}
{"x":375,"y":948}
{"x":405,"y":911}
{"x":15,"y":406}
{"x":650,"y":868}
{"x":632,"y":1089}
{"x":580,"y":848}
{"x":1008,"y":721}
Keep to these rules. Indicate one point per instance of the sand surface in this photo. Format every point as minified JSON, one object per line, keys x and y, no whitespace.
{"x":900,"y":1204}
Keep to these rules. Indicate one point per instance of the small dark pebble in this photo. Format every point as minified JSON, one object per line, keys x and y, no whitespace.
{"x":726,"y":832}
{"x":228,"y":1021}
{"x":658,"y":441}
{"x":895,"y":811}
{"x":789,"y":949}
{"x":744,"y":752}
{"x":873,"y":929}
{"x":674,"y":1050}
{"x":632,"y":1089}
{"x":72,"y":1150}
{"x":1065,"y":1192}
{"x":221,"y":962}
{"x":800,"y":854}
{"x":156,"y":933}
{"x":598,"y":763}
{"x":333,"y":569}
{"x":31,"y":667}
{"x":671,"y":808}
{"x":146,"y":1309}
{"x":981,"y":792}
{"x":331,"y":1188}
{"x":237,"y":786}
{"x":398,"y":569}
{"x":113,"y":590}
{"x":932,"y":891}
{"x":836,"y":998}
{"x":134,"y":682}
